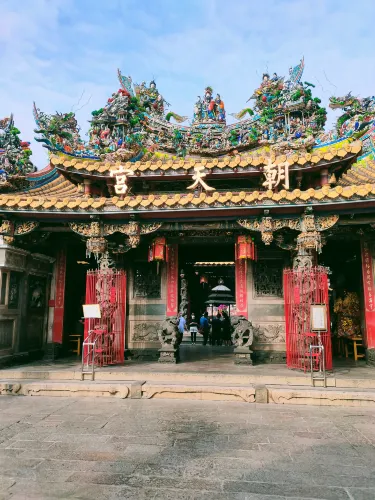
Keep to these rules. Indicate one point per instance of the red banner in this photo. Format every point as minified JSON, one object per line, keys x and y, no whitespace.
{"x":241,"y":287}
{"x":172,"y":280}
{"x":58,"y":319}
{"x":369,"y":293}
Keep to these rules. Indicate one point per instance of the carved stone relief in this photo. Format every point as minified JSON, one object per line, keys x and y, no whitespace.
{"x":146,"y":332}
{"x":147,"y":282}
{"x":268,"y":278}
{"x":269,"y":334}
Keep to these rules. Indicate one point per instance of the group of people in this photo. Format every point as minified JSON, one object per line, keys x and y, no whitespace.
{"x":216,"y":332}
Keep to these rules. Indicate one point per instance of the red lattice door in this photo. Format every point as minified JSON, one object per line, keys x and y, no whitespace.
{"x":304,"y":287}
{"x":107,"y":288}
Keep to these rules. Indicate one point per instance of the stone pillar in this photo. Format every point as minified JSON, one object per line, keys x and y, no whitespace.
{"x":169,"y":351}
{"x":369,"y":299}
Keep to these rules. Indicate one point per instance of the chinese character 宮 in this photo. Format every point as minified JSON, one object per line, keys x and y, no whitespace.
{"x":121,"y":179}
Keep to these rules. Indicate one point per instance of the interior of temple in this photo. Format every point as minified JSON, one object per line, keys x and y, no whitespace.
{"x":204,"y":265}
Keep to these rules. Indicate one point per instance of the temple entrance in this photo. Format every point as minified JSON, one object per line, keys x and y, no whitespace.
{"x":204,"y":269}
{"x":346,"y":300}
{"x":77,"y":266}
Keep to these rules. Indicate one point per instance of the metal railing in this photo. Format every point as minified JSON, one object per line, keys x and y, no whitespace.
{"x":317,"y":362}
{"x":88,"y":354}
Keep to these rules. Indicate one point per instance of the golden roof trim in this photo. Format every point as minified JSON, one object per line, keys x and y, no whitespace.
{"x":249,"y":160}
{"x":214,"y":199}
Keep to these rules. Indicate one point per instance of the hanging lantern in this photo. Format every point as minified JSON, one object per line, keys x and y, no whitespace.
{"x":203,"y":280}
{"x":245,"y":248}
{"x":96,"y":246}
{"x":157,"y":250}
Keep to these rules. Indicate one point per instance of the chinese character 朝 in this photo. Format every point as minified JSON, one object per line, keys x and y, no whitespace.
{"x":275,"y":173}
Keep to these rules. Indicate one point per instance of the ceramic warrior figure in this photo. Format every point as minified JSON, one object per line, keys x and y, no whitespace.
{"x":220,"y":110}
{"x":209,"y":105}
{"x":198,"y":109}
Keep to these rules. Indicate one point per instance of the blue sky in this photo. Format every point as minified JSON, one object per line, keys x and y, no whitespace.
{"x":64,"y":54}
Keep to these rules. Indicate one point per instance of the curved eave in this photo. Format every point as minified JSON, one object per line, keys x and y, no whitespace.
{"x":189,"y":203}
{"x":249,"y":163}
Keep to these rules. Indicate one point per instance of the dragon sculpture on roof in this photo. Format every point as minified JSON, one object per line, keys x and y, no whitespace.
{"x":358,"y":114}
{"x":135,"y":123}
{"x":15,"y":154}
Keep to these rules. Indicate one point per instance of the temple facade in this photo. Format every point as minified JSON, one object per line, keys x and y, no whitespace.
{"x":178,"y":203}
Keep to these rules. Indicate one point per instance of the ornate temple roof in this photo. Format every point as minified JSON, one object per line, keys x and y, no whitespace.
{"x":71,"y":202}
{"x":318,"y":156}
{"x":276,"y":154}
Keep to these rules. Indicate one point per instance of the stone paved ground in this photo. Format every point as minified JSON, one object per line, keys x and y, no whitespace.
{"x":175,"y":449}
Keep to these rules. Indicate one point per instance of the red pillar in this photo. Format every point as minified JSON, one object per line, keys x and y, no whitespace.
{"x":58,"y":318}
{"x":172,"y":280}
{"x":241,"y":287}
{"x":369,"y":294}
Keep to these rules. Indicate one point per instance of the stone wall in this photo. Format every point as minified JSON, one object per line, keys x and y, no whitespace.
{"x":266,"y":310}
{"x":146,"y":308}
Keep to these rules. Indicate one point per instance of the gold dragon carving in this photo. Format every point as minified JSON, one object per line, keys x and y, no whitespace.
{"x":309,"y":226}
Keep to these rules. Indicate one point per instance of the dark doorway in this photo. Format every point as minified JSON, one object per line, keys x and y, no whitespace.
{"x":204,"y":265}
{"x":77,"y":265}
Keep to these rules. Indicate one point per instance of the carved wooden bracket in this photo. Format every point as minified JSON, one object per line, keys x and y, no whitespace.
{"x":10,"y":229}
{"x":132,"y":229}
{"x":308,"y":224}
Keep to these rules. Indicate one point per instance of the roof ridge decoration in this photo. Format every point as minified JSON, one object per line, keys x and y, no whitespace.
{"x":15,"y":154}
{"x":134,"y":124}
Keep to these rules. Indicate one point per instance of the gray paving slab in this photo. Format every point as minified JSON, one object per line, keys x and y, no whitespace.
{"x":59,"y":448}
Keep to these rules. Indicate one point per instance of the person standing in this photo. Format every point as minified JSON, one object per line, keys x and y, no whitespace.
{"x":227,"y":330}
{"x":181,"y":325}
{"x":205,"y":327}
{"x":216,"y":329}
{"x":193,"y":327}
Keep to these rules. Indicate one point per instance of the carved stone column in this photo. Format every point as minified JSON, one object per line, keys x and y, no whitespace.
{"x":184,"y":299}
{"x":170,"y":341}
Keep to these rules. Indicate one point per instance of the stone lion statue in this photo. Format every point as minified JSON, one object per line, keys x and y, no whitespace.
{"x":243,"y":333}
{"x":168,"y":333}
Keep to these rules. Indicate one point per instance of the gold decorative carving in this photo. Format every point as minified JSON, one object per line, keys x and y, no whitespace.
{"x":132,"y":229}
{"x":309,"y":225}
{"x":22,"y":228}
{"x":7,"y":227}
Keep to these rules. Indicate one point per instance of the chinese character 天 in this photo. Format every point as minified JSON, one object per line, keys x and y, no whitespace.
{"x":198,"y":179}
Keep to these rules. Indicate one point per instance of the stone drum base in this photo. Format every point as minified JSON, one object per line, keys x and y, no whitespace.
{"x":169,"y":355}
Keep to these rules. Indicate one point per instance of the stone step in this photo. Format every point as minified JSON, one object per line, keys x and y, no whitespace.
{"x":160,"y":373}
{"x":123,"y":389}
{"x":136,"y":389}
{"x":317,"y":396}
{"x":178,"y":375}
